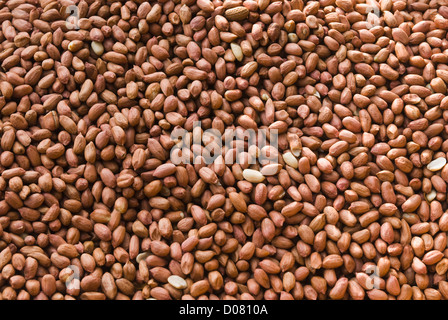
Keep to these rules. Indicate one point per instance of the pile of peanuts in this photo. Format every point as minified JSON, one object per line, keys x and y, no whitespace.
{"x":354,"y":207}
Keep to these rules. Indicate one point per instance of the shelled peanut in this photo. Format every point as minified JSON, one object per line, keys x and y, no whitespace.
{"x":352,"y":204}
